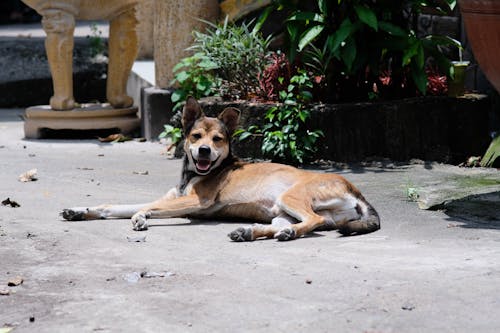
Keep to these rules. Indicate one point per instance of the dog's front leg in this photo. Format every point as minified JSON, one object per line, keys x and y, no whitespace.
{"x":163,"y":208}
{"x":101,"y":212}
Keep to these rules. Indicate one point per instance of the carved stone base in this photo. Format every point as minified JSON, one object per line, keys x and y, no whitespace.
{"x":86,"y":117}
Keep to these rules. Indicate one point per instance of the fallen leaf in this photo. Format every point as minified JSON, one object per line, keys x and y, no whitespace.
{"x":15,"y":281}
{"x":149,"y":275}
{"x":28,"y":176}
{"x":115,"y":138}
{"x":408,"y":307}
{"x":8,"y":202}
{"x":139,"y":239}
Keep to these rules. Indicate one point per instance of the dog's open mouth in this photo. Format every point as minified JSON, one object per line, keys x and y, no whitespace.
{"x":203,"y":164}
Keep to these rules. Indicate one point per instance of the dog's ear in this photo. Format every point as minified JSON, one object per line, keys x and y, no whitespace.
{"x":192,"y":111}
{"x":230,"y":117}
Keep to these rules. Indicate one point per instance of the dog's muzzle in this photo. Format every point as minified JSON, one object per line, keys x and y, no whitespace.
{"x":203,"y":162}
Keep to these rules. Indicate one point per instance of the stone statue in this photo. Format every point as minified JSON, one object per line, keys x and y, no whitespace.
{"x":58,"y":21}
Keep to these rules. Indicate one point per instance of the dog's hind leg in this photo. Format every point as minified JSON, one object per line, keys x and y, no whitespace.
{"x":101,"y":212}
{"x":293,"y":203}
{"x":256,"y":231}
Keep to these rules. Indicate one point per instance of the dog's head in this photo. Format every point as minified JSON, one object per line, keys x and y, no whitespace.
{"x":208,"y":139}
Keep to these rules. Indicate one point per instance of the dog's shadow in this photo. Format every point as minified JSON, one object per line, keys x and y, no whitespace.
{"x":234,"y":223}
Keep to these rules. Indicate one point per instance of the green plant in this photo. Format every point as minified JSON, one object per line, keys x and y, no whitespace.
{"x":97,"y":44}
{"x":411,"y":191}
{"x":174,"y":133}
{"x":285,"y":135}
{"x":352,"y":41}
{"x":492,"y":153}
{"x":194,"y":76}
{"x":238,"y":54}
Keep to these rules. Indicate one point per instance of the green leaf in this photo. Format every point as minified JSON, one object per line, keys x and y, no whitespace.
{"x":181,"y":77}
{"x":178,"y":66}
{"x":202,"y":86}
{"x":420,"y":78}
{"x":342,"y":33}
{"x":306,"y":95}
{"x":348,"y":53}
{"x":451,"y":4}
{"x":207,"y":64}
{"x":303,"y":115}
{"x":307,"y":16}
{"x":177,"y":96}
{"x":309,"y":35}
{"x":367,"y":16}
{"x":262,"y":18}
{"x":245,"y":135}
{"x":410,"y":52}
{"x":444,"y":40}
{"x":323,"y":6}
{"x":420,"y":58}
{"x":392,"y":29}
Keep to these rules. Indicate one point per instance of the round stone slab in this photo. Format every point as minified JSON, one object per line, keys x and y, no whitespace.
{"x":85,"y":117}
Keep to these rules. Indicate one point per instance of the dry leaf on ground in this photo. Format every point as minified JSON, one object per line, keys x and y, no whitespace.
{"x":12,"y":203}
{"x":15,"y":281}
{"x":115,"y":138}
{"x":28,"y":176}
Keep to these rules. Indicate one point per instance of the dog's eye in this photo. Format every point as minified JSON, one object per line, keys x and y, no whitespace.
{"x":196,"y":136}
{"x":217,"y":138}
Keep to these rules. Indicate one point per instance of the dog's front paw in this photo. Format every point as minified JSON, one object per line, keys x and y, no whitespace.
{"x":73,"y":214}
{"x":241,"y":235}
{"x":285,"y":234}
{"x":140,"y":221}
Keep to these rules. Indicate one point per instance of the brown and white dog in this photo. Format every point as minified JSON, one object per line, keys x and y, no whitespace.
{"x":216,"y":185}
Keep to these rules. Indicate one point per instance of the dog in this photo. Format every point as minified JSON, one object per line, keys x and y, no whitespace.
{"x":216,"y":185}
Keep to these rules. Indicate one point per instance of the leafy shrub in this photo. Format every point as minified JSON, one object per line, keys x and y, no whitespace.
{"x":350,"y":42}
{"x":194,"y":76}
{"x":238,"y":54}
{"x":286,"y":137}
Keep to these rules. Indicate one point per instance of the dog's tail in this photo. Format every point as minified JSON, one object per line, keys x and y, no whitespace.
{"x":369,"y":221}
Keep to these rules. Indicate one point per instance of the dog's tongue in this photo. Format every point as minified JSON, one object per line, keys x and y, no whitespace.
{"x":203,"y":165}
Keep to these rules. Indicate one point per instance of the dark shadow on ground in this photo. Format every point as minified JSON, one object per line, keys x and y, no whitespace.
{"x":476,"y":211}
{"x":372,"y":166}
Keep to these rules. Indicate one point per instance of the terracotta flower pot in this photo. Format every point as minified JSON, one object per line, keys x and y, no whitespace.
{"x":482,"y":25}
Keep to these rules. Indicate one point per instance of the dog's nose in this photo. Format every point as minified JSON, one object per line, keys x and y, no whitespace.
{"x":204,"y":151}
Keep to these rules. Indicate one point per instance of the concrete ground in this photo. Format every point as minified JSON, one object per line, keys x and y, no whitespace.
{"x":424,"y":271}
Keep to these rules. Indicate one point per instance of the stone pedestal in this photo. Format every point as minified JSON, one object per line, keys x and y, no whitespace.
{"x":156,"y":111}
{"x":86,"y":117}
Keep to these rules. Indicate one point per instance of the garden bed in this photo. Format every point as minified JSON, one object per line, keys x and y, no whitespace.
{"x":441,"y":129}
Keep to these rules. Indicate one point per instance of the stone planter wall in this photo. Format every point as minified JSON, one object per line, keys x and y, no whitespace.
{"x":430,"y":128}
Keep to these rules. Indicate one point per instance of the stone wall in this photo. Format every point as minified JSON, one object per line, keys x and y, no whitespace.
{"x":429,"y":128}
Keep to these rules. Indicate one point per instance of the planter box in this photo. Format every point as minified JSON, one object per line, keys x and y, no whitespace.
{"x":441,"y":129}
